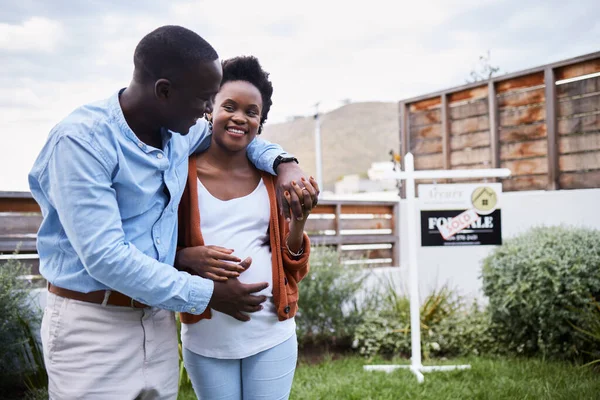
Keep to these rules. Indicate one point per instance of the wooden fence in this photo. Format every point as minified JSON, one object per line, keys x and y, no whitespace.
{"x":542,"y":123}
{"x":20,"y":219}
{"x":358,"y":229}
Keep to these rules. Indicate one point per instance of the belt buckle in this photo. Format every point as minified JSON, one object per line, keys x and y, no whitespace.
{"x":106,"y":296}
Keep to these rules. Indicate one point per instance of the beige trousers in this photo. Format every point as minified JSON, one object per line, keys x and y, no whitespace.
{"x":107,"y":352}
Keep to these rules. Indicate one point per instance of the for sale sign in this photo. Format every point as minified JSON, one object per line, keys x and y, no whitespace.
{"x":460,"y":214}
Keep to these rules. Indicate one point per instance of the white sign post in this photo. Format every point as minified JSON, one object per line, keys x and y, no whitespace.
{"x":409,"y":175}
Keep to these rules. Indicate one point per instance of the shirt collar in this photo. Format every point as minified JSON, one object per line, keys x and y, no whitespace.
{"x":116,"y":112}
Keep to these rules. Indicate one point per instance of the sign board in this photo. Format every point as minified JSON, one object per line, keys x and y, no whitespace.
{"x":461,"y":214}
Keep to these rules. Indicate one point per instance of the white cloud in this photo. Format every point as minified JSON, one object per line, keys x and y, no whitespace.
{"x":315,"y":50}
{"x":124,"y":34}
{"x":328,"y":52}
{"x":36,"y":33}
{"x":26,"y":126}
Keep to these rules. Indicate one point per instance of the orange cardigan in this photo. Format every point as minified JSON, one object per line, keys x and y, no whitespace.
{"x":287,"y":271}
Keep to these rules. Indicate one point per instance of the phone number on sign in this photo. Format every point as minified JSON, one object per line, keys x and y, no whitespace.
{"x":463,"y":238}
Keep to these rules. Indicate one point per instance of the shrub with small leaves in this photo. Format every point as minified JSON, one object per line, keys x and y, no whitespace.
{"x":590,"y":331}
{"x":448,"y":328}
{"x":469,"y":332}
{"x":329,"y":308}
{"x":384,"y":335}
{"x":535,"y":283}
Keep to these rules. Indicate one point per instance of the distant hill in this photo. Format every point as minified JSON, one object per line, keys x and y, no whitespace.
{"x":353,"y":136}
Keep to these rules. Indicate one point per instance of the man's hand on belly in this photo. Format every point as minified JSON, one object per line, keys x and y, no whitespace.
{"x":235,"y":298}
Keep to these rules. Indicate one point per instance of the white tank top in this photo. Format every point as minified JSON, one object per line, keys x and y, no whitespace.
{"x":241,"y":224}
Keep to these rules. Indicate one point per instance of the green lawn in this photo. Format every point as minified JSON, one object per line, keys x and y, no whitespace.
{"x":488,"y":379}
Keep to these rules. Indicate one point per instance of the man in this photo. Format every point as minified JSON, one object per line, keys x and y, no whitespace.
{"x":109,"y":180}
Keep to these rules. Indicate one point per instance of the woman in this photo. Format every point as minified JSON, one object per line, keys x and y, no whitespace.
{"x":230,"y":208}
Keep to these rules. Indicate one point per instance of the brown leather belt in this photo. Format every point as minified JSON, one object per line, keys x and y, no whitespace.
{"x":97,"y":297}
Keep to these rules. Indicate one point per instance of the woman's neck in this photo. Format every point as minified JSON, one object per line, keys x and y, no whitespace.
{"x":219,"y":157}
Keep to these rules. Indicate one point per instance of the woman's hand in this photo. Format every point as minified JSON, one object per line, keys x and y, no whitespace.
{"x":210,"y":262}
{"x":308,"y":195}
{"x":291,"y":206}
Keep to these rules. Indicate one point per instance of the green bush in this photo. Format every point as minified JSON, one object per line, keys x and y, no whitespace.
{"x":329,"y":307}
{"x":535,"y":283}
{"x":21,"y":360}
{"x":590,"y":330}
{"x":448,"y":328}
{"x":469,"y":332}
{"x":380,"y":334}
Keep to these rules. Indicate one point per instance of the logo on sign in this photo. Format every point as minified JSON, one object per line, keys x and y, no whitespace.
{"x":484,"y":199}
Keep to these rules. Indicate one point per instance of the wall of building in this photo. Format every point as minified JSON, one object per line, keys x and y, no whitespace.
{"x":460,"y":267}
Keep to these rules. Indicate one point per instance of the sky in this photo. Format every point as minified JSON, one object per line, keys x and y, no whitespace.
{"x":57,"y":55}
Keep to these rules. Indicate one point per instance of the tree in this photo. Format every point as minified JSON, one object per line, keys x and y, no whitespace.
{"x":484,"y":70}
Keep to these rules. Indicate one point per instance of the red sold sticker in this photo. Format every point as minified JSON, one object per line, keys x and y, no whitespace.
{"x":458,"y":223}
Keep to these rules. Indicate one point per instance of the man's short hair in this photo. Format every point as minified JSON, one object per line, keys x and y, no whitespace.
{"x":168,"y":50}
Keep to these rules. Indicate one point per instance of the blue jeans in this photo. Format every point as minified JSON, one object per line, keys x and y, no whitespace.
{"x":267,"y":375}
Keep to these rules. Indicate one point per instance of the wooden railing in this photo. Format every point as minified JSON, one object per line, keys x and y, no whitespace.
{"x":360,"y":231}
{"x":542,"y":123}
{"x":20,"y":218}
{"x":18,"y":202}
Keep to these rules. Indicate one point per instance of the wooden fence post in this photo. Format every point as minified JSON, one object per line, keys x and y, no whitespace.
{"x":338,"y":227}
{"x":445,"y":131}
{"x":551,"y":125}
{"x":493,"y":119}
{"x":396,"y":233}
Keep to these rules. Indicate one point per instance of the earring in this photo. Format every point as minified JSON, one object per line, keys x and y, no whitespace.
{"x":208,"y":118}
{"x":260,"y":129}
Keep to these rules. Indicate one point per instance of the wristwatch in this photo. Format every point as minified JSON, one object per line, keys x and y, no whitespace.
{"x":281,"y":159}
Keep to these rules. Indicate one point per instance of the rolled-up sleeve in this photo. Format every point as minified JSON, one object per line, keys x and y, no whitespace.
{"x":263,"y":153}
{"x":80,"y":188}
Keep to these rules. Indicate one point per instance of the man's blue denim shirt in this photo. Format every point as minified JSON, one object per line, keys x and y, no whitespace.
{"x":109,"y":205}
